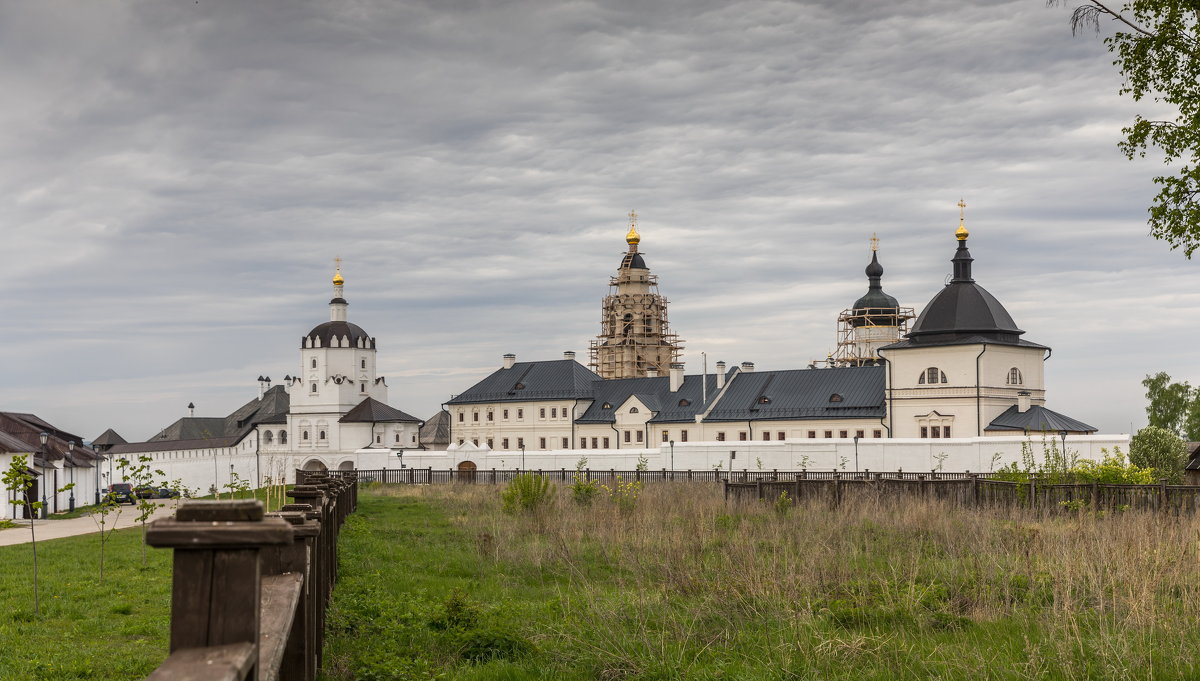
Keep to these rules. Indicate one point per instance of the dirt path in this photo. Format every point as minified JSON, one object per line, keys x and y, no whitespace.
{"x":56,"y":529}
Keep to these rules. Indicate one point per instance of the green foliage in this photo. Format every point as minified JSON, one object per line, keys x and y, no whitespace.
{"x":1113,"y":469}
{"x":642,"y":464}
{"x":1161,"y":450}
{"x":583,"y":491}
{"x":484,"y":645}
{"x":783,"y":504}
{"x":624,"y":493}
{"x":458,"y":613}
{"x":100,"y":515}
{"x":527,"y":493}
{"x":1057,"y":467}
{"x":1156,"y":51}
{"x":142,"y":475}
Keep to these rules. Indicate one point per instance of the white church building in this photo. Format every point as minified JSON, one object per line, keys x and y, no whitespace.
{"x":333,"y":414}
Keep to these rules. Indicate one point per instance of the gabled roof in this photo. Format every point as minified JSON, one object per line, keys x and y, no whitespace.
{"x":20,"y":433}
{"x":372,"y":410}
{"x":1037,"y":419}
{"x":192,"y":428}
{"x":271,"y":408}
{"x":108,"y":437}
{"x":436,"y":430}
{"x":174,"y":445}
{"x":655,"y":393}
{"x":562,"y":379}
{"x":803,"y":394}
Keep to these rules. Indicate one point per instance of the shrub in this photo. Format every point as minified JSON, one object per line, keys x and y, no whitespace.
{"x":624,"y":493}
{"x":1161,"y":450}
{"x":483,"y":645}
{"x":458,"y":613}
{"x":527,"y":493}
{"x":583,"y":492}
{"x":783,"y":503}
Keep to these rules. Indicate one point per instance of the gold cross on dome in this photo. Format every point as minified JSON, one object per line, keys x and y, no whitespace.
{"x":338,"y":262}
{"x":633,"y":218}
{"x":962,"y":205}
{"x":874,"y":242}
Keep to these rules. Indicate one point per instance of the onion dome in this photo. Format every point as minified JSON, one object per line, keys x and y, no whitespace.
{"x":875,"y":307}
{"x":342,"y":331}
{"x":964,"y":309}
{"x":632,"y":259}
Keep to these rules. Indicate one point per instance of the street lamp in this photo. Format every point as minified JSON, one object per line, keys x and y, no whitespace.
{"x":672,"y":455}
{"x":43,"y":436}
{"x":522,"y":456}
{"x":855,"y":453}
{"x":1063,"y":435}
{"x":71,"y":444}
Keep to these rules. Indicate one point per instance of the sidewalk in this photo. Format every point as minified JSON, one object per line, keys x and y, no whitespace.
{"x":56,"y":529}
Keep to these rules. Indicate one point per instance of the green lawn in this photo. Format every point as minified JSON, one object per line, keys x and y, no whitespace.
{"x":437,"y":583}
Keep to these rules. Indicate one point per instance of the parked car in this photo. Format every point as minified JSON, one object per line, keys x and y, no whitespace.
{"x":167,"y":493}
{"x":145,"y":492}
{"x":121,"y":493}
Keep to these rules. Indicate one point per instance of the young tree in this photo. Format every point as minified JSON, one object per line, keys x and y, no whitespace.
{"x":18,"y":480}
{"x":1173,"y":406}
{"x":1160,"y":449}
{"x":142,"y":476}
{"x":99,"y":515}
{"x":1157,"y":49}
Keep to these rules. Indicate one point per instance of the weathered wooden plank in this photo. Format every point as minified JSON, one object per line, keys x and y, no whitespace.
{"x":230,"y":510}
{"x":167,"y":533}
{"x":234,"y":613}
{"x":278,"y":603}
{"x":231,"y":662}
{"x":191,"y":597}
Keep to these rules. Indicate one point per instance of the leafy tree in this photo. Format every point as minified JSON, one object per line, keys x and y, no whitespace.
{"x":1160,"y":449}
{"x":1168,"y":402}
{"x":99,"y":514}
{"x":18,"y":480}
{"x":1157,"y":49}
{"x":142,"y":475}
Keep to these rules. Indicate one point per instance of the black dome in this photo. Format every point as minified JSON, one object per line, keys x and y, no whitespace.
{"x":340,"y":330}
{"x":964,"y":308}
{"x":881,"y":308}
{"x":633,"y":260}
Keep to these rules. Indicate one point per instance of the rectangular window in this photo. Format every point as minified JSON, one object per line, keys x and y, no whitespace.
{"x":720,"y":437}
{"x":595,"y":443}
{"x":362,"y":387}
{"x":491,"y":416}
{"x":877,"y":433}
{"x":583,"y":443}
{"x":666,"y":436}
{"x":505,"y":415}
{"x":812,"y":433}
{"x":566,"y":444}
{"x":520,"y":414}
{"x":935,"y":431}
{"x":363,"y":364}
{"x":475,"y":416}
{"x":683,"y":436}
{"x":475,"y":441}
{"x":924,"y":431}
{"x":460,"y":417}
{"x":627,"y":436}
{"x":606,"y":443}
{"x":858,"y":433}
{"x":541,"y":412}
{"x":946,"y":431}
{"x":397,"y":437}
{"x":520,"y":443}
{"x":842,"y":433}
{"x":541,"y":443}
{"x":504,"y":443}
{"x":828,"y":433}
{"x":742,"y":436}
{"x":639,"y":436}
{"x":766,"y":435}
{"x":314,"y":388}
{"x":780,"y":436}
{"x":490,"y":445}
{"x":553,"y":412}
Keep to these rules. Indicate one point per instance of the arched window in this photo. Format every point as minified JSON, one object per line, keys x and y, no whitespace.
{"x":1014,"y":376}
{"x":314,"y":362}
{"x":304,"y":435}
{"x":932,"y":376}
{"x":835,"y":398}
{"x":267,"y":437}
{"x":633,"y":410}
{"x":684,"y":403}
{"x":314,"y":388}
{"x":321,"y":435}
{"x":283,"y":437}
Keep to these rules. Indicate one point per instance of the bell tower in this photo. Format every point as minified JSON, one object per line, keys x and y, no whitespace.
{"x":635,"y":335}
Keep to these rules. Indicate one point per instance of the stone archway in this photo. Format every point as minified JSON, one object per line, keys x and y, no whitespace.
{"x":315,"y":465}
{"x":346,"y":466}
{"x":466,"y":471}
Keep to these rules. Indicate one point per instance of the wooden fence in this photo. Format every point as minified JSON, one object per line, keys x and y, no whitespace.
{"x":250,"y":588}
{"x":441,"y":476}
{"x":973,"y":490}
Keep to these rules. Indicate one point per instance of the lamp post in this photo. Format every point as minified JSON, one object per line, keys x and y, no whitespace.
{"x":1063,"y":435}
{"x":43,"y":436}
{"x":71,"y":501}
{"x":672,"y":455}
{"x":855,"y":453}
{"x":522,"y":456}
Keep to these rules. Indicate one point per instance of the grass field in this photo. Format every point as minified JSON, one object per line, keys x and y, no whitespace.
{"x":438,"y":582}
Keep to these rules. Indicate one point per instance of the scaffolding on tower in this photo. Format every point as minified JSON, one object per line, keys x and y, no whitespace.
{"x":862,"y":331}
{"x":635,"y":334}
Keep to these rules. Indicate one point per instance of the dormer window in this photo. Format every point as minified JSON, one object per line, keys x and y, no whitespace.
{"x":1014,"y":376}
{"x":633,"y":410}
{"x":519,"y":386}
{"x":685,"y":403}
{"x":932,"y":376}
{"x":835,"y":398}
{"x":766,"y":400}
{"x":606,"y":405}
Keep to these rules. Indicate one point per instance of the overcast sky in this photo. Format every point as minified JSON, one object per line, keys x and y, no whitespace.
{"x":177,"y":178}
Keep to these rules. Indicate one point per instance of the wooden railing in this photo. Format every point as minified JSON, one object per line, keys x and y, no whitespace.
{"x":250,"y":588}
{"x":975,"y":490}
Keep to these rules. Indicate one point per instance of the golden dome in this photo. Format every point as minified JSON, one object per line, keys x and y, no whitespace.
{"x":961,"y":232}
{"x":632,"y":237}
{"x":337,"y":277}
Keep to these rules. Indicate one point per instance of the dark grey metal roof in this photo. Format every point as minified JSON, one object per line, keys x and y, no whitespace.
{"x":633,"y":260}
{"x":964,"y":340}
{"x":108,"y":437}
{"x":803,"y":394}
{"x":436,"y":430}
{"x":655,"y":393}
{"x":372,"y":410}
{"x":340,"y":330}
{"x":882,"y":307}
{"x":174,"y":445}
{"x":1037,"y":419}
{"x":562,"y":379}
{"x":193,"y":428}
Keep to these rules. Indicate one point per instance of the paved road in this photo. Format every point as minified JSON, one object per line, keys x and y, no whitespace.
{"x":55,"y":529}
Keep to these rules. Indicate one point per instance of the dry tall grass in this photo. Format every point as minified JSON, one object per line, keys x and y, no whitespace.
{"x":901,"y":583}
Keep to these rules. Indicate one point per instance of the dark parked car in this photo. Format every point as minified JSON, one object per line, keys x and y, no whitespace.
{"x":145,"y":491}
{"x":167,"y":493}
{"x":121,"y":493}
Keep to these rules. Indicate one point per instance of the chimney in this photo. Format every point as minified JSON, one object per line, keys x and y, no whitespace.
{"x":652,"y":372}
{"x":676,"y":376}
{"x":1023,"y":401}
{"x":569,"y":354}
{"x":262,"y":386}
{"x":191,"y":409}
{"x":720,"y":375}
{"x":747,"y":367}
{"x":509,"y":360}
